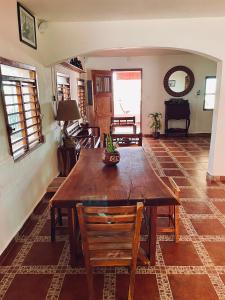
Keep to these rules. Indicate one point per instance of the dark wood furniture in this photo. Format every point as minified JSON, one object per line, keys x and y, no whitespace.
{"x":110,"y":237}
{"x":52,"y":188}
{"x":123,"y":122}
{"x":172,"y":214}
{"x":83,"y":137}
{"x":177,"y":109}
{"x":125,"y":139}
{"x":132,"y":180}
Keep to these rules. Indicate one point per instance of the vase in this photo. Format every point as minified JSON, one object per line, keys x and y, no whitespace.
{"x":111,"y":159}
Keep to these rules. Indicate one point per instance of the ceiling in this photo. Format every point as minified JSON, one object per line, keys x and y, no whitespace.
{"x":135,"y":52}
{"x":106,"y":10}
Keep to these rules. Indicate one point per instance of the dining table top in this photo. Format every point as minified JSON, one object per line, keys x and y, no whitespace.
{"x":132,"y":179}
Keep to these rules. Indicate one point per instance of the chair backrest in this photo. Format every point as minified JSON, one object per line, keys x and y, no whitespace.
{"x":174,"y":187}
{"x":123,"y":120}
{"x":125,"y":139}
{"x":171,"y":185}
{"x":110,"y":235}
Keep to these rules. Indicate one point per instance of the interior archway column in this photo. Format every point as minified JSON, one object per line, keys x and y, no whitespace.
{"x":216,"y":166}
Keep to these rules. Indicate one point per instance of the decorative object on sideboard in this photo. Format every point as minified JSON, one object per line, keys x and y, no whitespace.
{"x":76,"y":62}
{"x":179,"y":81}
{"x":67,"y":111}
{"x":27,"y":27}
{"x":155,"y":124}
{"x":111,"y":156}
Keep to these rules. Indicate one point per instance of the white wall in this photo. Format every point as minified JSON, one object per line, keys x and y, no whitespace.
{"x":153,"y":93}
{"x":23,"y":183}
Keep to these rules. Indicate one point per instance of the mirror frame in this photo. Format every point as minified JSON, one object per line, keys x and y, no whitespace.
{"x":170,"y":72}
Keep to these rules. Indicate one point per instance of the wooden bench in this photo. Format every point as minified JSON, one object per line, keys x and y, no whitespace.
{"x":123,"y":122}
{"x":126,"y":139}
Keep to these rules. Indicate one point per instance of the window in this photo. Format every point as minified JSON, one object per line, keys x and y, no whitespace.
{"x":210,"y":92}
{"x":63,"y":87}
{"x":21,"y":107}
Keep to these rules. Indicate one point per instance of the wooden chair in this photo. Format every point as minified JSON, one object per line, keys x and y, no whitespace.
{"x":172,"y":213}
{"x":123,"y":122}
{"x":125,"y":139}
{"x":52,"y":188}
{"x":110,"y":237}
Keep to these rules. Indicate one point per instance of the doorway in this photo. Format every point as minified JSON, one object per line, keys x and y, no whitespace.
{"x":127,"y":96}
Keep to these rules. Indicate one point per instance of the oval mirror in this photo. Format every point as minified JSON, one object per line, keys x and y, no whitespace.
{"x":179,"y":81}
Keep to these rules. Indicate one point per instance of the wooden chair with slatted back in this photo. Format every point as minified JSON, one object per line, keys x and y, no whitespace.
{"x":173,"y":211}
{"x":110,"y":237}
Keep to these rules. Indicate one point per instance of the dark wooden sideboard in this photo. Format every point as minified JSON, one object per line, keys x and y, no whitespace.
{"x":177,"y":109}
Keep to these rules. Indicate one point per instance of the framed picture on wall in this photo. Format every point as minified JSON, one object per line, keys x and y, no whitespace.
{"x":27,"y":28}
{"x":172,"y":83}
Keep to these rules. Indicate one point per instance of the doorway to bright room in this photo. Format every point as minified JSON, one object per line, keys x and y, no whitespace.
{"x":127,"y":97}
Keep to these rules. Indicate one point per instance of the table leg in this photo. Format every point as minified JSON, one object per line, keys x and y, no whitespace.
{"x":72,"y":234}
{"x":52,"y":212}
{"x":152,"y":244}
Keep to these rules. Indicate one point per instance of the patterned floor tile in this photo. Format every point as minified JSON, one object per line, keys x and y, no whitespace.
{"x":195,"y":207}
{"x":181,"y":254}
{"x":30,"y":286}
{"x":194,"y":268}
{"x":208,"y":226}
{"x":194,"y":287}
{"x":146,"y":287}
{"x":74,"y":287}
{"x":44,"y":253}
{"x":216,"y":252}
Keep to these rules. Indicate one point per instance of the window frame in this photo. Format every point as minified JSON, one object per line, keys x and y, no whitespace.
{"x":208,"y":109}
{"x":20,"y":103}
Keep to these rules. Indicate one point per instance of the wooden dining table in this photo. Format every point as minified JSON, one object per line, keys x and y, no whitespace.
{"x":130,"y":181}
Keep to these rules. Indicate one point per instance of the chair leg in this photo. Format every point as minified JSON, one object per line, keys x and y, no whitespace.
{"x":90,"y":280}
{"x":171,"y":214}
{"x":177,"y":223}
{"x":59,"y":216}
{"x":52,"y":212}
{"x":131,"y":285}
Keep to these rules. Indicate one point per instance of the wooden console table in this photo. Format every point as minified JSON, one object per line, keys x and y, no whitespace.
{"x":177,"y":109}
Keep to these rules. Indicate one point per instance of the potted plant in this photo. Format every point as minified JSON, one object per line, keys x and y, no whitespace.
{"x":156,"y":123}
{"x":111,"y":156}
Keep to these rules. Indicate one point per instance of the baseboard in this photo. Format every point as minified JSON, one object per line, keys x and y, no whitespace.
{"x":203,"y":134}
{"x":213,"y":178}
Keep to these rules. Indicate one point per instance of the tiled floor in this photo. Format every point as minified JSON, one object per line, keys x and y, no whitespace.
{"x":192,"y":269}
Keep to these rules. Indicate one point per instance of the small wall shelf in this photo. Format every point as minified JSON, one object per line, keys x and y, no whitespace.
{"x":72,"y":67}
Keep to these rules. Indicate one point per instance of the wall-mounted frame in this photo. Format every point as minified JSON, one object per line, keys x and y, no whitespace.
{"x":188,"y":83}
{"x":27,"y":27}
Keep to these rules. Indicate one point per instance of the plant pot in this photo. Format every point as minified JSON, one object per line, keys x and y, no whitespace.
{"x":156,"y":135}
{"x":111,"y":159}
